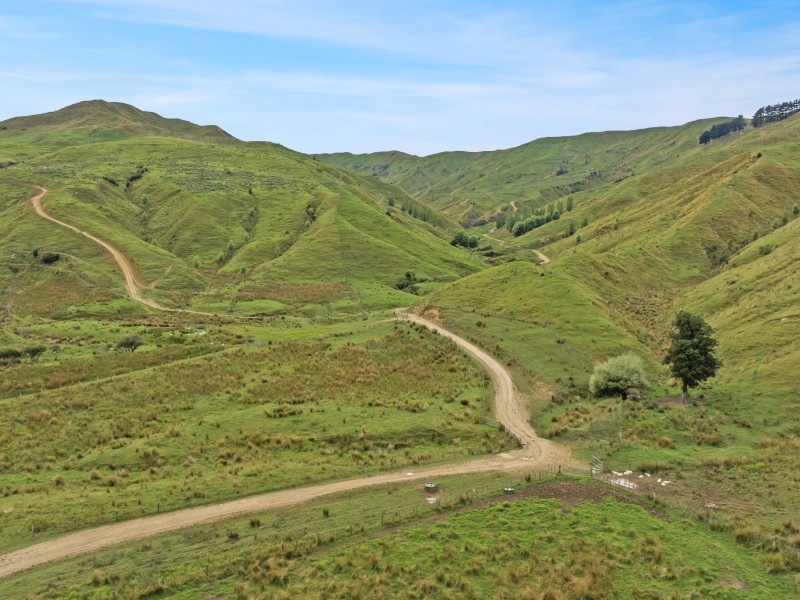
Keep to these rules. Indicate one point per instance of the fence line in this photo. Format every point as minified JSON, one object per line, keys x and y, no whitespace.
{"x":444,"y":502}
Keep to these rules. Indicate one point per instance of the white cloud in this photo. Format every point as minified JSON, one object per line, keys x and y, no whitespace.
{"x":457,"y":76}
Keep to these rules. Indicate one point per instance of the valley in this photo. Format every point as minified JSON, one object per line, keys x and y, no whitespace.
{"x":259,"y":287}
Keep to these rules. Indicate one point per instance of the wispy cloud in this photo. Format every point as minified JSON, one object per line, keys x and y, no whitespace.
{"x":420,"y":76}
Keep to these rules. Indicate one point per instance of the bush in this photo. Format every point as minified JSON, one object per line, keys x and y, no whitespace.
{"x":50,"y":257}
{"x":616,"y":376}
{"x":9,"y":355}
{"x":129,"y":343}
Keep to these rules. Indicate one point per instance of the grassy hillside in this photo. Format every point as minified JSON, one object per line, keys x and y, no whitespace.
{"x":650,"y":223}
{"x":208,"y":222}
{"x":714,"y":232}
{"x":471,"y":186}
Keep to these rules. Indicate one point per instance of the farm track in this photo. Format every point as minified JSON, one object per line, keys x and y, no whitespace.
{"x":132,"y":281}
{"x":543,"y":259}
{"x":535,"y":452}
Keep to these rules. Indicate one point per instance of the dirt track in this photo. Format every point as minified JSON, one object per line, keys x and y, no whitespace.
{"x":132,"y":282}
{"x":542,"y":257}
{"x":535,"y":452}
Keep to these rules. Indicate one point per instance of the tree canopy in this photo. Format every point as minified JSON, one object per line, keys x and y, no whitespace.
{"x":462,"y":239}
{"x":722,"y":129}
{"x":691,"y":353}
{"x":129,"y":343}
{"x":775,"y":112}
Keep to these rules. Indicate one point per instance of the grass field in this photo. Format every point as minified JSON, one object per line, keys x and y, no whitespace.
{"x":392,"y":543}
{"x":255,"y":417}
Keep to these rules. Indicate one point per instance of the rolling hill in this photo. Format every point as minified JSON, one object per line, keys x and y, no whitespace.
{"x":472,"y":186}
{"x":207,"y":220}
{"x":650,"y":223}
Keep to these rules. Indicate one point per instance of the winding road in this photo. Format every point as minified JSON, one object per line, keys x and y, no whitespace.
{"x":534,"y":452}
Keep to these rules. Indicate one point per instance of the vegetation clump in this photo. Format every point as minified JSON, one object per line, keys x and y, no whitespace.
{"x":462,"y":239}
{"x":534,"y":222}
{"x":617,"y":376}
{"x":722,"y":129}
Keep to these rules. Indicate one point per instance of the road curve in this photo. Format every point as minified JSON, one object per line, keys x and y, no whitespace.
{"x":542,"y":257}
{"x":507,"y":406}
{"x":535,"y":452}
{"x":132,"y":282}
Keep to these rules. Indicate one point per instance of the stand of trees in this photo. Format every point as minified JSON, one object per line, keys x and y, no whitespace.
{"x":722,"y":129}
{"x":462,"y":239}
{"x":534,"y":222}
{"x":420,"y":212}
{"x":775,"y":112}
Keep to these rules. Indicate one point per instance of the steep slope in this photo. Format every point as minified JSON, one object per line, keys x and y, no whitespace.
{"x":669,"y":239}
{"x":469,"y":186}
{"x":229,"y":226}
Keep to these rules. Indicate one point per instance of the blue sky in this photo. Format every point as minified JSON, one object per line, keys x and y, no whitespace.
{"x":416,"y":76}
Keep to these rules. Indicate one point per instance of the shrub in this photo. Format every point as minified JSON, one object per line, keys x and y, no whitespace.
{"x":129,"y":343}
{"x":9,"y":355}
{"x":50,"y":257}
{"x":616,"y":376}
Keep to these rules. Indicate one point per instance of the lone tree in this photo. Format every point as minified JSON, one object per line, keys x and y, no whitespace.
{"x":616,"y":376}
{"x":691,"y":354}
{"x":129,"y":343}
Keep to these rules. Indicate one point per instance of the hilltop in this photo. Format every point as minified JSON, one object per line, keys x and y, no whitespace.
{"x":93,"y":121}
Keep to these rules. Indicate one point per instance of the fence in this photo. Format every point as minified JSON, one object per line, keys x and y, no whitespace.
{"x":314,"y":534}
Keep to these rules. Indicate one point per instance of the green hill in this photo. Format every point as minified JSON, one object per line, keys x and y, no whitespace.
{"x":472,"y":186}
{"x":714,"y":232}
{"x":677,"y":236}
{"x":207,"y":221}
{"x":650,"y":223}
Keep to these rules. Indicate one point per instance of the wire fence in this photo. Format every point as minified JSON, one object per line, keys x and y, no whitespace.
{"x":428,"y":505}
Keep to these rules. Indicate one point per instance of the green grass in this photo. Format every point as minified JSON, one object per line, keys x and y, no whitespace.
{"x":530,"y":549}
{"x":339,"y":546}
{"x":471,"y":186}
{"x":235,"y":422}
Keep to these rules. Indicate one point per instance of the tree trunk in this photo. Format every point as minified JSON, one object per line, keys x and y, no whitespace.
{"x":685,"y":393}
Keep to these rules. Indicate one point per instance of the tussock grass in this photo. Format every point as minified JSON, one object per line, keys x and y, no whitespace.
{"x":245,"y":420}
